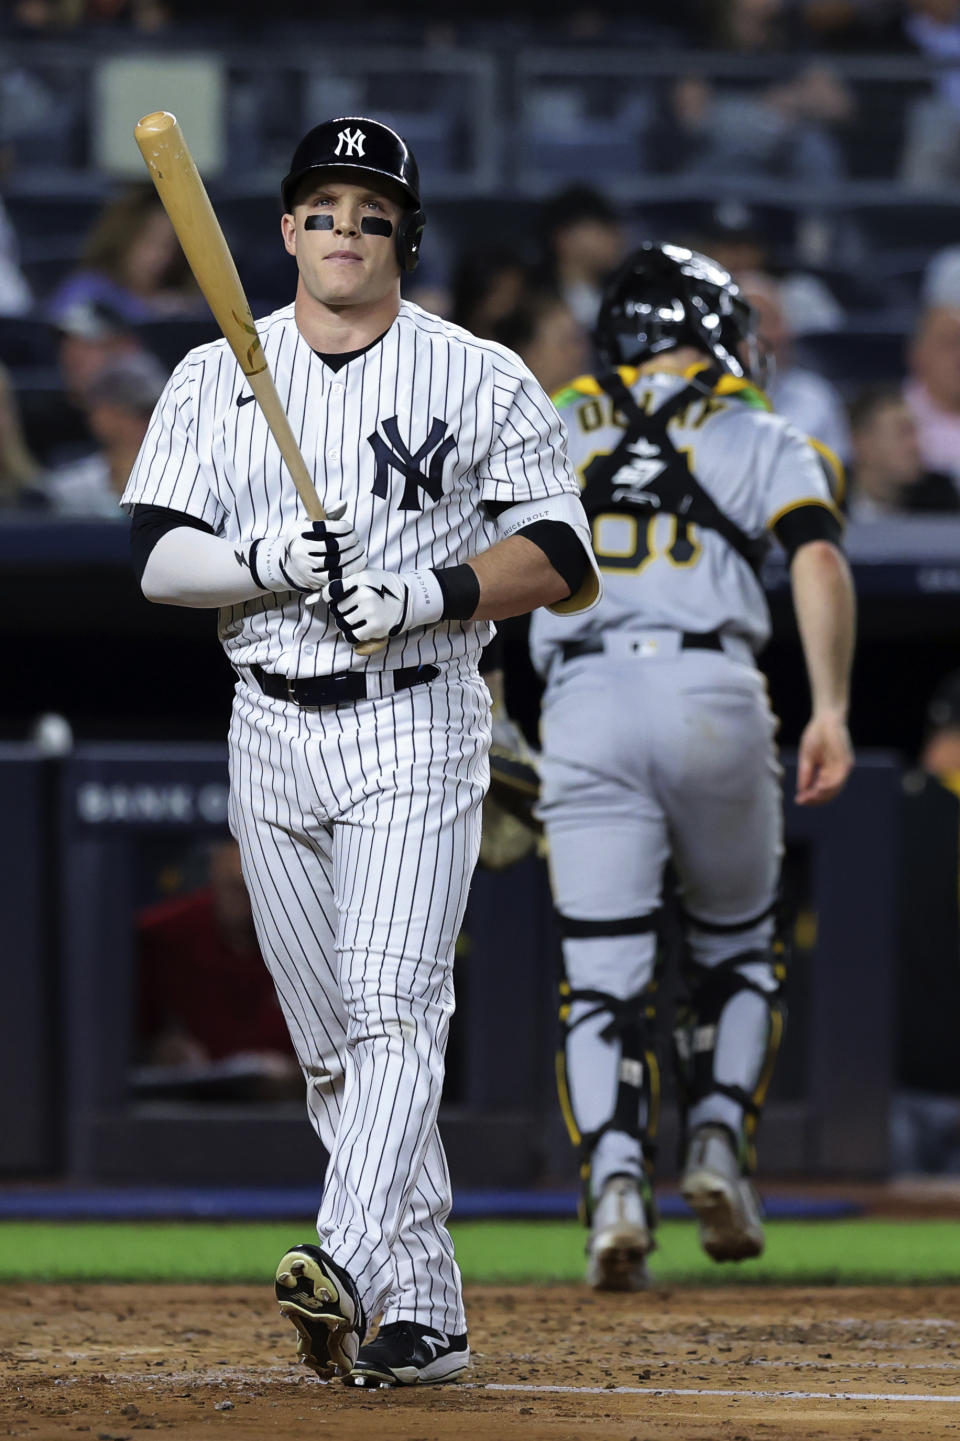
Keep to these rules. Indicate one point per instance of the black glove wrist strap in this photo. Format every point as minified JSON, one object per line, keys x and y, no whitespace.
{"x":460,"y":586}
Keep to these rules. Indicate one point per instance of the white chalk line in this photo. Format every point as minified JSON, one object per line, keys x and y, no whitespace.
{"x":709,"y":1391}
{"x":238,"y":1375}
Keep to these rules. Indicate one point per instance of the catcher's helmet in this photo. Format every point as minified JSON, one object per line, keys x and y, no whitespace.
{"x":367,"y":147}
{"x":664,"y":296}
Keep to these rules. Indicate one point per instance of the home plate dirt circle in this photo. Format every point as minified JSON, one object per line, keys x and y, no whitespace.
{"x":744,"y":1364}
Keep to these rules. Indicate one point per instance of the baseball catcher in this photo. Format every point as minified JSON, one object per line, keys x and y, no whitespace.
{"x":658,"y":743}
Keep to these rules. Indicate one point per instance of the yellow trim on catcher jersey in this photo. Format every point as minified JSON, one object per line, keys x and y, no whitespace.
{"x":835,"y":464}
{"x":582,"y":384}
{"x":728,"y":384}
{"x":589,"y":385}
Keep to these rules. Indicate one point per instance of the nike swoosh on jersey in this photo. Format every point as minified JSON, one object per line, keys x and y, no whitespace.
{"x":245,"y":399}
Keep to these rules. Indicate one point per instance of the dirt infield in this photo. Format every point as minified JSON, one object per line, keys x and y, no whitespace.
{"x":111,"y":1362}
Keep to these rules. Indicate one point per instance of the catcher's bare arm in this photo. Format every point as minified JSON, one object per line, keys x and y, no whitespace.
{"x":823,"y":599}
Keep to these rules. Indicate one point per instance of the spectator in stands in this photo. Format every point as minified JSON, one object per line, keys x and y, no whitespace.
{"x":132,"y":263}
{"x":887,"y":473}
{"x":15,"y":296}
{"x":810,"y":401}
{"x":54,"y":17}
{"x":748,"y":26}
{"x":931,"y":152}
{"x":852,"y":24}
{"x":941,"y":278}
{"x":781,"y":133}
{"x":205,"y":993}
{"x":925,"y":1114}
{"x":933,"y":390}
{"x":118,"y":402}
{"x":583,"y":242}
{"x":20,"y":472}
{"x":734,"y":236}
{"x":940,"y":755}
{"x":546,"y":335}
{"x":89,"y":335}
{"x":48,"y":16}
{"x":487,"y":285}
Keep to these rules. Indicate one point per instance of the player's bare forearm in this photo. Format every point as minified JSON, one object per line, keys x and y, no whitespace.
{"x":825,"y":607}
{"x":515,"y":577}
{"x":824,"y":603}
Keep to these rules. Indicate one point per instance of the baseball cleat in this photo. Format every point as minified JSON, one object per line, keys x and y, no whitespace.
{"x":725,"y":1202}
{"x":620,"y":1238}
{"x":404,"y":1353}
{"x":322,"y":1302}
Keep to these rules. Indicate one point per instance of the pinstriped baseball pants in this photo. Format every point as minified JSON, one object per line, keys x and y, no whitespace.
{"x":359,"y":827}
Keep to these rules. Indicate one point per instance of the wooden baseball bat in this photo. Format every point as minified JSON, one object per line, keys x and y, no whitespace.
{"x":184,"y":198}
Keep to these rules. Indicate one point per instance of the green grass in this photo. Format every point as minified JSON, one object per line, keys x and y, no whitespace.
{"x":799,"y":1253}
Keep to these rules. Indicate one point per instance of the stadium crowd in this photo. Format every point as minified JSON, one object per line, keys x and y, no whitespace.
{"x":858,"y":296}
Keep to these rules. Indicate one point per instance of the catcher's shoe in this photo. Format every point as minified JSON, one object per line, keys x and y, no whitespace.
{"x":404,"y":1353}
{"x":726,"y":1204}
{"x":620,"y":1238}
{"x":322,"y":1302}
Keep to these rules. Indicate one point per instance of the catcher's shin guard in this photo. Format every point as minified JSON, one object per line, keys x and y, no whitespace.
{"x":625,"y":1057}
{"x":716,"y":1029}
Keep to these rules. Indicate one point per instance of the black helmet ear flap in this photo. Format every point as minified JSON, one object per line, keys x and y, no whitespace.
{"x":409,"y":235}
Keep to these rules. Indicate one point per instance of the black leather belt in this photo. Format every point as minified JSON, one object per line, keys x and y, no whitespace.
{"x":690,"y":640}
{"x":346,"y":685}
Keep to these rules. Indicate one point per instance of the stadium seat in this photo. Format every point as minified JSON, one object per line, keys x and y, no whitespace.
{"x":45,"y":272}
{"x":54,"y":429}
{"x":853,"y":358}
{"x":53,"y":216}
{"x":170,"y":339}
{"x":909,"y":223}
{"x":26,"y":340}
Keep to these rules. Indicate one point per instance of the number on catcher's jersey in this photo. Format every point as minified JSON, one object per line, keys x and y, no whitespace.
{"x":628,"y":543}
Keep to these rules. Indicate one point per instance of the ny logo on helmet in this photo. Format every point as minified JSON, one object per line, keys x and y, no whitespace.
{"x":354,"y":143}
{"x":393,"y":454}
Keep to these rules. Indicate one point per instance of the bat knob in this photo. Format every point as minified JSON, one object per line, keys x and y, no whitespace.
{"x":156,"y":123}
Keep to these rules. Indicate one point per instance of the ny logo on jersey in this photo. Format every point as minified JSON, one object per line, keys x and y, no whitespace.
{"x":354,"y":142}
{"x":393,"y":454}
{"x":634,"y":475}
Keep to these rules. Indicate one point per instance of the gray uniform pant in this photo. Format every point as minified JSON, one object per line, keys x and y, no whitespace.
{"x":651,"y":752}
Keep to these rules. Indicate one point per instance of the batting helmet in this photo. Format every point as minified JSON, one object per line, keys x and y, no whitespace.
{"x":365,"y":147}
{"x":664,"y":296}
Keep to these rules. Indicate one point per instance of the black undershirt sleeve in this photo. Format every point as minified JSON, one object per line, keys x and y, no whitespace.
{"x":806,"y":523}
{"x":558,"y":541}
{"x":148,"y":523}
{"x":562,"y":547}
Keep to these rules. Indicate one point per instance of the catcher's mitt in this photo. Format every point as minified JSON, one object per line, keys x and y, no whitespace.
{"x":515,"y":784}
{"x":503,"y":839}
{"x":510,"y":828}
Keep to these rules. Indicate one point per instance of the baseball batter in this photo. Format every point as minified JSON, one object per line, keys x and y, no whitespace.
{"x":356,"y":782}
{"x":658,"y":743}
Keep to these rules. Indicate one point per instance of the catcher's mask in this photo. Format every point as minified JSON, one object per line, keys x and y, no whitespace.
{"x":664,"y":296}
{"x":364,"y":149}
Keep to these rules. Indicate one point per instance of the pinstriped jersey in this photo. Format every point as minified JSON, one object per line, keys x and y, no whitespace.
{"x":414,"y":434}
{"x":659,"y":570}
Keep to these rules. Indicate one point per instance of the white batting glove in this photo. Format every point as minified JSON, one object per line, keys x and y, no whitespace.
{"x":374,"y":604}
{"x":308,"y":553}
